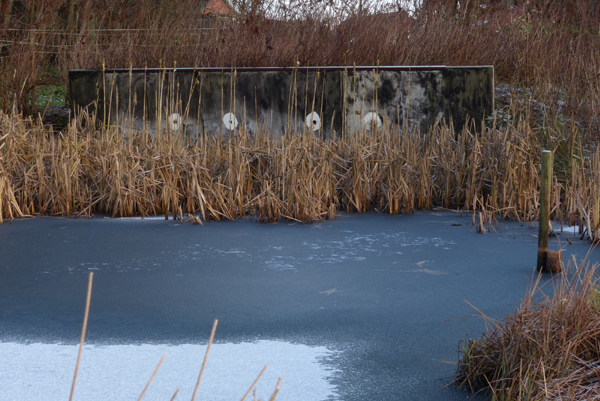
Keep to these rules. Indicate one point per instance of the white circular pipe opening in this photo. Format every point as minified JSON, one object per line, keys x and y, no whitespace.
{"x":372,"y":118}
{"x":174,"y":121}
{"x":230,"y":121}
{"x":313,"y":121}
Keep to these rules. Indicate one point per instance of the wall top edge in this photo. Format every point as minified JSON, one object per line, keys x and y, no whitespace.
{"x":456,"y":67}
{"x":276,"y":69}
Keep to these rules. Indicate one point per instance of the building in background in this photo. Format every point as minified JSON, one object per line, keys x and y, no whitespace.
{"x":217,"y":7}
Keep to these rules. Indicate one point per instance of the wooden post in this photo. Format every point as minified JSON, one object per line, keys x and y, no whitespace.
{"x":544,"y":213}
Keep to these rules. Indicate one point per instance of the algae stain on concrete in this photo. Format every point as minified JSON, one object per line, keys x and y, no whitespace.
{"x":279,"y":100}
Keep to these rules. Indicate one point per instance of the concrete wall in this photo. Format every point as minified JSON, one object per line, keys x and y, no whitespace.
{"x":323,"y":100}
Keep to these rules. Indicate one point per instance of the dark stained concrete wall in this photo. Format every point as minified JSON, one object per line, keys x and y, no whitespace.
{"x":467,"y":94}
{"x":409,"y":99}
{"x":324,"y":100}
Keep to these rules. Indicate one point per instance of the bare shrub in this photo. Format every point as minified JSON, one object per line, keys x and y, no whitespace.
{"x":546,"y":350}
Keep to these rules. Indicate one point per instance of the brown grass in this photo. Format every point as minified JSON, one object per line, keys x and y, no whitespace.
{"x":84,"y":170}
{"x":548,"y":349}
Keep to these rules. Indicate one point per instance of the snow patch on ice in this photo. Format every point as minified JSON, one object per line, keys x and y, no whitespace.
{"x":120,"y":372}
{"x":574,"y":230}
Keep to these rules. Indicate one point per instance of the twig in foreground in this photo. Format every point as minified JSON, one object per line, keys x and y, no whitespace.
{"x":85,"y":319}
{"x":212,"y":336}
{"x":152,"y":377}
{"x":254,"y":383}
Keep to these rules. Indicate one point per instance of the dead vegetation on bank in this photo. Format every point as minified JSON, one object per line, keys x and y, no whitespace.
{"x":84,"y":170}
{"x":551,"y":48}
{"x":548,"y":349}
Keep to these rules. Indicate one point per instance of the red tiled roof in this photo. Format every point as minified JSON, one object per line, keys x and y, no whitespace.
{"x":218,"y":7}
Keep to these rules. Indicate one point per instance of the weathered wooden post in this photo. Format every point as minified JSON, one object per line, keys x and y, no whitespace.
{"x":544,"y":214}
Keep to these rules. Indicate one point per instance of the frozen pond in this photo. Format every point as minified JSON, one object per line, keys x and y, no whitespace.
{"x":360,"y":308}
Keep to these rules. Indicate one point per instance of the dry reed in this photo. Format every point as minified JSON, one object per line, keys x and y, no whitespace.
{"x":83,"y":332}
{"x":548,"y":349}
{"x":83,"y":170}
{"x":152,"y":377}
{"x":212,"y":336}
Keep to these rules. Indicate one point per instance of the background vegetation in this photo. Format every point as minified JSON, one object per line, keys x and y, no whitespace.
{"x":546,"y":55}
{"x":550,"y":47}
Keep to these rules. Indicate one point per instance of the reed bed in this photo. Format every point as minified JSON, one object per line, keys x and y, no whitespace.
{"x":84,"y":170}
{"x":548,"y":349}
